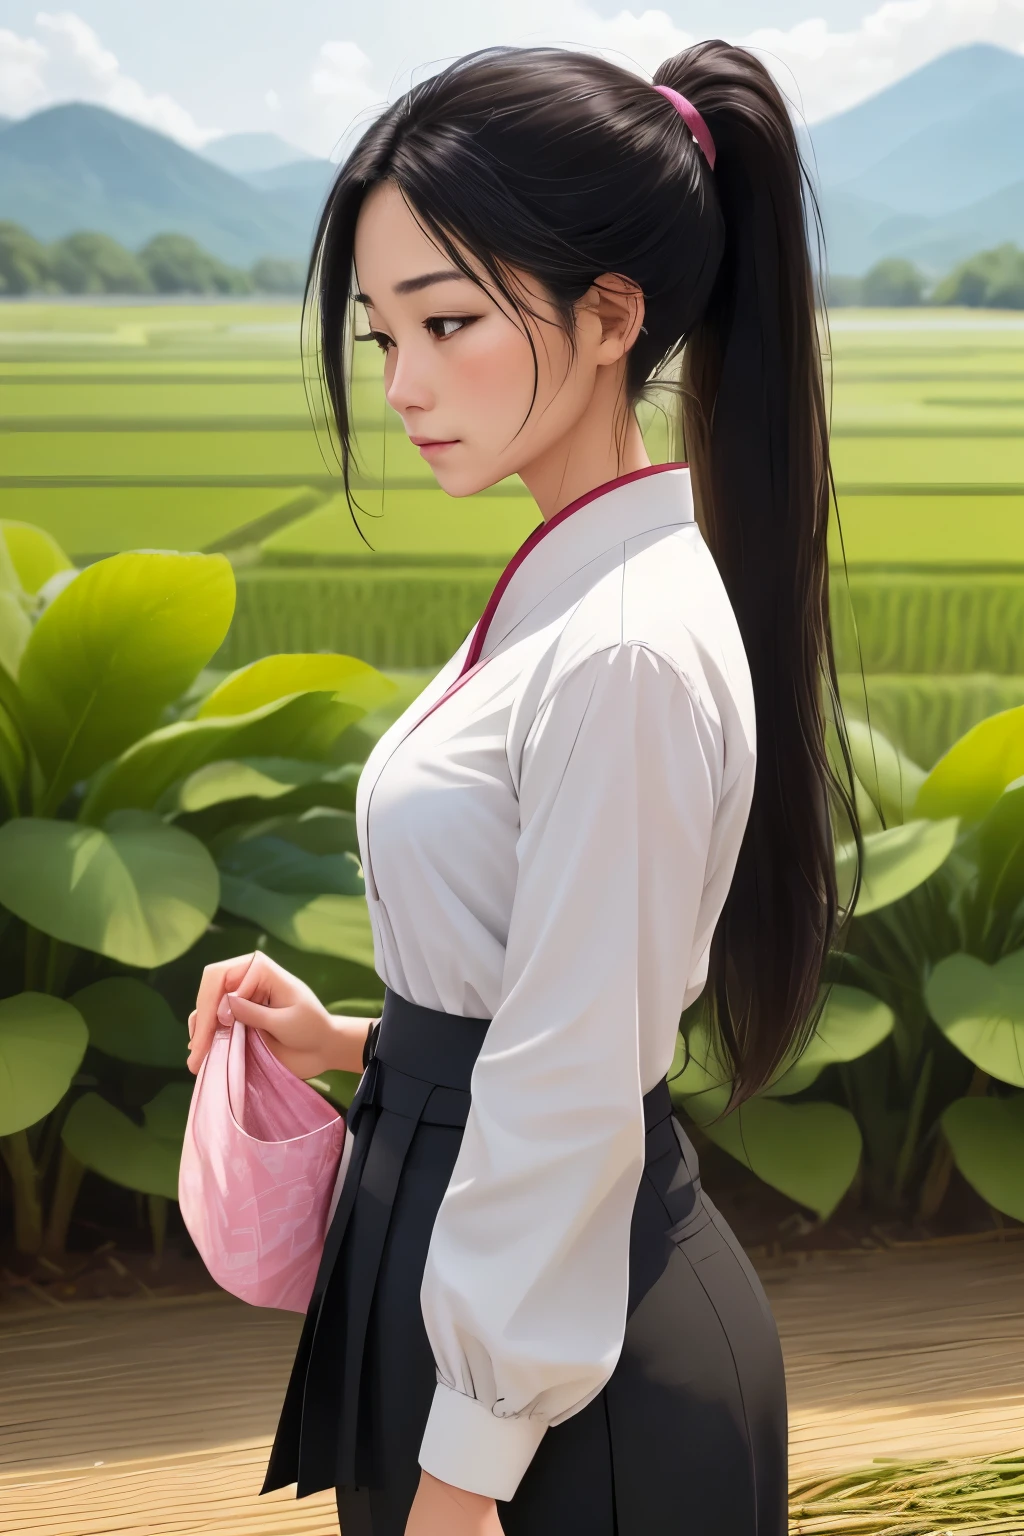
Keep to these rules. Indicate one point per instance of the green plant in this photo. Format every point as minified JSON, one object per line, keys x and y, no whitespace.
{"x":894,"y":283}
{"x":993,"y":278}
{"x":134,"y":831}
{"x":924,"y":1023}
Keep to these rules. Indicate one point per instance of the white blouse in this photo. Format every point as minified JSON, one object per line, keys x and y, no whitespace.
{"x":550,"y":849}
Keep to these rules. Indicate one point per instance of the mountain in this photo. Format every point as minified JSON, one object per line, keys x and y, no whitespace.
{"x":76,"y":167}
{"x":302,"y":177}
{"x":847,"y":145}
{"x":298,"y":190}
{"x":927,"y":168}
{"x":972,"y":154}
{"x":981,"y":226}
{"x":245,"y":153}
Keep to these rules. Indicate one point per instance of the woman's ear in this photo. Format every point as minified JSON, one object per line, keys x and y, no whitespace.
{"x":617,"y":303}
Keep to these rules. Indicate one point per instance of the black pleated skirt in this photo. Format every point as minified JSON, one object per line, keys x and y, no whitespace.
{"x":689,"y":1435}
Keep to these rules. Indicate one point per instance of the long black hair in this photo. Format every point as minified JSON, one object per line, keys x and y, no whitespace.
{"x":565,"y":166}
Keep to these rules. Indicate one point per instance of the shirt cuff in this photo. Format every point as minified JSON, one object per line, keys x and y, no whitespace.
{"x":467,"y":1445}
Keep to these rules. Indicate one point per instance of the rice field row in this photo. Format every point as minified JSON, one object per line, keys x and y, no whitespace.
{"x":188,"y":426}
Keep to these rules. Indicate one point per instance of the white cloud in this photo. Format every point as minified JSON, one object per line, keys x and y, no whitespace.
{"x":822,"y":69}
{"x":835,"y":70}
{"x":71,"y":64}
{"x":340,"y":92}
{"x":22,"y":87}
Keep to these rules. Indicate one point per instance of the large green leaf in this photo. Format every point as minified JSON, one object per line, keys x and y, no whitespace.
{"x":12,"y":761}
{"x":15,"y":628}
{"x":329,"y":925}
{"x":339,"y":1087}
{"x":987,"y":1139}
{"x":808,"y":1151}
{"x":851,"y":1024}
{"x":703,"y":1073}
{"x":276,"y":677}
{"x":284,"y":866}
{"x":332,"y":797}
{"x":166,"y":1115}
{"x":140,"y":893}
{"x":969,"y":779}
{"x":103,"y":1139}
{"x":132,"y":1022}
{"x":891,"y":779}
{"x":303,"y":727}
{"x":980,"y":1008}
{"x":1001,"y":850}
{"x":42,"y":1042}
{"x":250,"y":778}
{"x":895,"y":861}
{"x":319,"y":831}
{"x":116,"y":646}
{"x":34,"y":554}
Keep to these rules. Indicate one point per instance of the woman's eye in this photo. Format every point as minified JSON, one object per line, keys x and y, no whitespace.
{"x":438,"y":325}
{"x":384,"y":342}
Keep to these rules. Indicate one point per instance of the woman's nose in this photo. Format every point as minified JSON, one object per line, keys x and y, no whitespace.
{"x":408,"y":387}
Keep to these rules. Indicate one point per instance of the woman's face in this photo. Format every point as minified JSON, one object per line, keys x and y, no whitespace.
{"x":458,"y":367}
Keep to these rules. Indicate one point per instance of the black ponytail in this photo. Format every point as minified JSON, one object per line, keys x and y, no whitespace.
{"x":756,"y":426}
{"x":564,"y":166}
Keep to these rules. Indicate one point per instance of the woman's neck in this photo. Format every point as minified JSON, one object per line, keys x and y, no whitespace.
{"x":599,"y":448}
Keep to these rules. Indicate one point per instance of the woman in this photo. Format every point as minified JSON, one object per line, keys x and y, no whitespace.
{"x":528,"y":1317}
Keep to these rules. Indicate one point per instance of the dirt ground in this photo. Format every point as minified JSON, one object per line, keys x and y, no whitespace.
{"x":147,"y":1415}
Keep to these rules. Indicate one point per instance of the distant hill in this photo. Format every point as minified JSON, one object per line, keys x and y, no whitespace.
{"x":244,"y":153}
{"x":980,"y":226}
{"x":908,"y":171}
{"x":850,"y":143}
{"x":304,"y":177}
{"x":81,"y":167}
{"x":974,"y":153}
{"x":930,"y":168}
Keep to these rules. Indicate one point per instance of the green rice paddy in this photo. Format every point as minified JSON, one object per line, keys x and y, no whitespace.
{"x":188,"y":425}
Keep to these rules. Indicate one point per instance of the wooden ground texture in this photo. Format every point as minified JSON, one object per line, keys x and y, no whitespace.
{"x":147,"y":1418}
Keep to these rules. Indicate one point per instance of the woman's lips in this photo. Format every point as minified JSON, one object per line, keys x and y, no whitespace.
{"x":433,"y":447}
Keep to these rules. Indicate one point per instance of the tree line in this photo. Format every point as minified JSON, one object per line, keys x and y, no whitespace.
{"x":990,"y":280}
{"x":91,"y":263}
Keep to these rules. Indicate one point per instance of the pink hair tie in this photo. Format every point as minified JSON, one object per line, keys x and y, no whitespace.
{"x":693,"y":120}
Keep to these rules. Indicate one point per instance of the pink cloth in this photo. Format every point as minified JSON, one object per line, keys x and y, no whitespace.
{"x":258,"y":1168}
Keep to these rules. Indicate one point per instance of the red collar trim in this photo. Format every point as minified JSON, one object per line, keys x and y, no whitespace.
{"x":533,"y":539}
{"x":473,"y":663}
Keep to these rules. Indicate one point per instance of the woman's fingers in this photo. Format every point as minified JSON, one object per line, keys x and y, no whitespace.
{"x":216,"y":980}
{"x":256,"y":1015}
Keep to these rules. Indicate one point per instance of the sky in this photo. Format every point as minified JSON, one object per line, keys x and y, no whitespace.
{"x":317,"y":70}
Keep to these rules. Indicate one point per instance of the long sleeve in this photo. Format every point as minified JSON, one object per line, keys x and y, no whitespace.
{"x":525,"y":1287}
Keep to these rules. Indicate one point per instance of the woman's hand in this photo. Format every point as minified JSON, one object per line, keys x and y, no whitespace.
{"x":439,"y":1509}
{"x":287,"y":1015}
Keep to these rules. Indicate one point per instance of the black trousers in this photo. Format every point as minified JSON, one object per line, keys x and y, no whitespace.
{"x":690,"y":1433}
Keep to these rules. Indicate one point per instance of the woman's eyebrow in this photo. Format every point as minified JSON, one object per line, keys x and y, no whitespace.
{"x":424,"y":280}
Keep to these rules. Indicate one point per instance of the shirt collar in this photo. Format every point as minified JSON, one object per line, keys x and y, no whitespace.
{"x":659,"y":496}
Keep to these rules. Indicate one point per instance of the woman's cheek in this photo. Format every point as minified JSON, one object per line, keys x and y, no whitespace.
{"x":496,"y":379}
